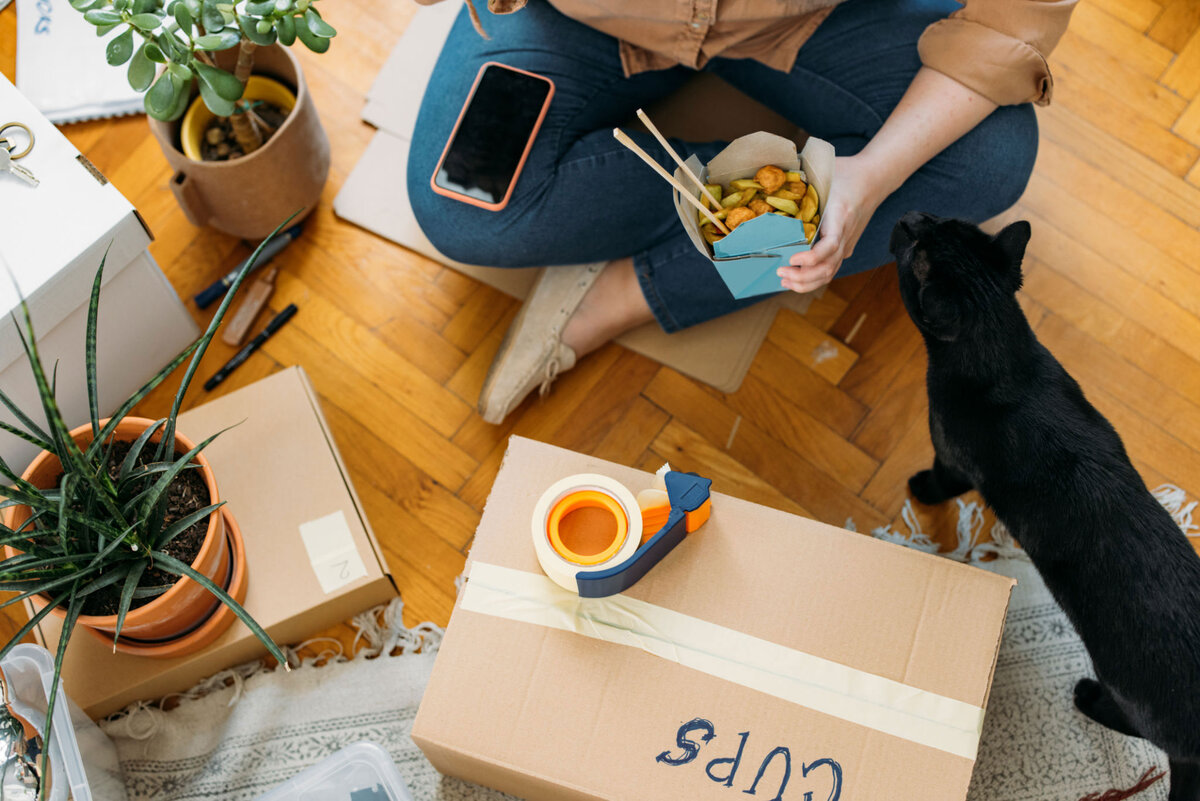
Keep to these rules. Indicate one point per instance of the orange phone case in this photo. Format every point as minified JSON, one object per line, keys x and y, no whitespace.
{"x":537,"y":125}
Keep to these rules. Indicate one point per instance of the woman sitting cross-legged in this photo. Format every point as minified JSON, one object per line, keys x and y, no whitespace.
{"x":928,"y":104}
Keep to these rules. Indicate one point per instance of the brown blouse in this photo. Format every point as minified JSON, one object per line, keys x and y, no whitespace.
{"x":996,"y":47}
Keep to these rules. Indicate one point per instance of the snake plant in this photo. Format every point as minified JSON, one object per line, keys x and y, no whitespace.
{"x":95,"y":530}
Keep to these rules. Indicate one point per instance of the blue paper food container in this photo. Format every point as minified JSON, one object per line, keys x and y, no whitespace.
{"x":747,"y":258}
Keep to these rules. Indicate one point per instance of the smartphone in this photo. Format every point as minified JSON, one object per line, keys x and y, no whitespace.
{"x":493,"y":136}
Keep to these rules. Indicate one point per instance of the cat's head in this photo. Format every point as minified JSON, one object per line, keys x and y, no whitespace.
{"x":952,"y":274}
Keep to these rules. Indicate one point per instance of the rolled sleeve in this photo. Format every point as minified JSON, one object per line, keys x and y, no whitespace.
{"x":999,"y":47}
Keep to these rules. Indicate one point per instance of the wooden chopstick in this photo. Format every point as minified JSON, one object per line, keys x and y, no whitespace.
{"x":666,"y":146}
{"x":624,"y":139}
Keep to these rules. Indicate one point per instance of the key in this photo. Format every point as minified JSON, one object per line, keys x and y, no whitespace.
{"x":8,"y":165}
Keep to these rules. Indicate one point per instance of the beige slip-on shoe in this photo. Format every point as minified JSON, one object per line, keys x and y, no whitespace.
{"x":533,"y":354}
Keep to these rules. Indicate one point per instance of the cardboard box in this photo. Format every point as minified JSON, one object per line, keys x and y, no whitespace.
{"x":53,"y":237}
{"x":280,"y":472}
{"x":776,"y":616}
{"x":747,"y":258}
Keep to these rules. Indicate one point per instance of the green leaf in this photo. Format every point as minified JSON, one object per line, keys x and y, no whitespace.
{"x":260,"y":8}
{"x":146,"y":22}
{"x":217,"y":104}
{"x":184,"y":523}
{"x":283,"y":6}
{"x":285,"y":27}
{"x":311,"y":41}
{"x":222,"y":83}
{"x":101,"y":16}
{"x":107,"y":579}
{"x":25,"y":435}
{"x":318,"y":26}
{"x":81,"y":5}
{"x":160,"y":486}
{"x":24,"y":420}
{"x":73,"y":609}
{"x":161,"y":96}
{"x":144,"y":6}
{"x":131,"y":584}
{"x":218,"y":41}
{"x":201,"y":344}
{"x":137,"y":397}
{"x":141,"y":69}
{"x":74,"y":575}
{"x":211,"y":16}
{"x":93,"y":315}
{"x":135,"y":450}
{"x":67,"y":451}
{"x":184,"y":17}
{"x":33,"y":621}
{"x":68,"y":483}
{"x":249,"y":27}
{"x":172,"y":565}
{"x":119,"y":48}
{"x":155,"y":53}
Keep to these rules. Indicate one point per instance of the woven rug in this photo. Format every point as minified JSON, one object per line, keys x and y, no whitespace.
{"x":248,"y":730}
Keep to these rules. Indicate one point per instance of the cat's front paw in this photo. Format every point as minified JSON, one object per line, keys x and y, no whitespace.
{"x":1087,"y":693}
{"x":926,"y":489}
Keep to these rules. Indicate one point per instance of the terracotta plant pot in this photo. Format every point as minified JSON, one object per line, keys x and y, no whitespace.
{"x":181,"y":610}
{"x":249,"y":196}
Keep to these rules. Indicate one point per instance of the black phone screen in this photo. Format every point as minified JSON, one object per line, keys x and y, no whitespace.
{"x":497,"y":124}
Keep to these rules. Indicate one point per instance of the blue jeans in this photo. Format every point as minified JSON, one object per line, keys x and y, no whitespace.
{"x":583,"y":197}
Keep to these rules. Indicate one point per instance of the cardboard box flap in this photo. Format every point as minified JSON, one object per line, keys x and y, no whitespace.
{"x":613,"y":719}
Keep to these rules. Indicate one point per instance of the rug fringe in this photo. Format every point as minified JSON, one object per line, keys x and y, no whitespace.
{"x":381,"y":632}
{"x":1002,"y":545}
{"x":1151,"y":777}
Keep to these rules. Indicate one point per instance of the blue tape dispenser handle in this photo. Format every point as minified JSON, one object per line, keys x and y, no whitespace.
{"x":690,"y":503}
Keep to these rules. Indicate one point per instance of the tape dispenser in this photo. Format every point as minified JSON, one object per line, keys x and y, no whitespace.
{"x":593,"y":537}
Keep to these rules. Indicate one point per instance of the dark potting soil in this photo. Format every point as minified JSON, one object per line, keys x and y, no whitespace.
{"x":219,"y":143}
{"x":185,"y":494}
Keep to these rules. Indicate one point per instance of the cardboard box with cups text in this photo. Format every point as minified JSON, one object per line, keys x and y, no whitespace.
{"x":278,"y":469}
{"x":549,"y":714}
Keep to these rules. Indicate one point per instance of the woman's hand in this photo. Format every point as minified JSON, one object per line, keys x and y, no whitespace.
{"x":848,"y":209}
{"x":934,"y":112}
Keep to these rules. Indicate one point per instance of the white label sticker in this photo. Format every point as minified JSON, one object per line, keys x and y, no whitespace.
{"x":332,"y":552}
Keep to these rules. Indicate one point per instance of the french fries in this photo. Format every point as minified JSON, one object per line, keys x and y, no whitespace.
{"x":771,"y":191}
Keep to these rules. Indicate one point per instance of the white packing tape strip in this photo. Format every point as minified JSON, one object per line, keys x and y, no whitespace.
{"x":561,"y":570}
{"x":819,"y":684}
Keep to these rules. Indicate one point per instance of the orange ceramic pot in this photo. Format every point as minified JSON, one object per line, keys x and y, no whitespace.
{"x":186,"y":606}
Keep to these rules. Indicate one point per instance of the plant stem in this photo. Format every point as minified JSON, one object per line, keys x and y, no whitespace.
{"x":248,"y":136}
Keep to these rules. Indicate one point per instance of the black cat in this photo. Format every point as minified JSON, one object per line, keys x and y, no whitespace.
{"x":1006,"y":419}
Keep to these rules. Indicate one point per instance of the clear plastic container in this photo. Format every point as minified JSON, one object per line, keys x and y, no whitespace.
{"x":83,"y":761}
{"x":359,"y":772}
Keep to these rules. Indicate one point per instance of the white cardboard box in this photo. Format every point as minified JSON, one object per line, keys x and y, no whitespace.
{"x":52,"y":238}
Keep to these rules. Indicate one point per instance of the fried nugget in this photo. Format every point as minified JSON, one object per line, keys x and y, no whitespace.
{"x":760,"y":207}
{"x":771,"y":178}
{"x":738,"y":216}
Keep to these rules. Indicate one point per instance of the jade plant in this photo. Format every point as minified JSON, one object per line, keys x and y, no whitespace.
{"x":104,"y":527}
{"x":182,"y":35}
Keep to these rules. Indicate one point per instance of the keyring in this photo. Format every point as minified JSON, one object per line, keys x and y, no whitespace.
{"x":11,"y":148}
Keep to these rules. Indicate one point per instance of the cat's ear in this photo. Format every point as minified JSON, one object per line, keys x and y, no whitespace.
{"x":941,"y":313}
{"x":1013,"y":239}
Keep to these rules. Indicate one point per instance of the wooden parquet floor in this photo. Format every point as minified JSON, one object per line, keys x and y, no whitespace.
{"x":398,"y":345}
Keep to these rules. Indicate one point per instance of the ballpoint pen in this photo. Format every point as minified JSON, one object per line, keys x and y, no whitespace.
{"x":272,"y":249}
{"x":276,"y":323}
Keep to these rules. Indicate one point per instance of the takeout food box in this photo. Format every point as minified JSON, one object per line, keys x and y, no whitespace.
{"x":766,"y":654}
{"x":279,"y":470}
{"x":747,"y":257}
